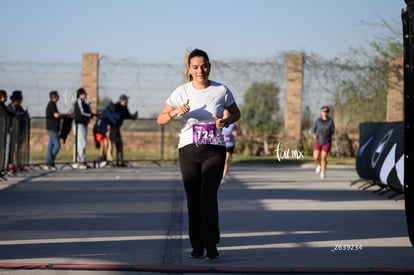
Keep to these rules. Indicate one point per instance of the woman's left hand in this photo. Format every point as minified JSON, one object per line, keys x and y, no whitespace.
{"x":220,"y":122}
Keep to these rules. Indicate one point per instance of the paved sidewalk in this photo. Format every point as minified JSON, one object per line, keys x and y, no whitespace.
{"x":274,"y":218}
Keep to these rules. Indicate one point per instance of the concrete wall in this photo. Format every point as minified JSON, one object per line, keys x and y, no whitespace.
{"x":149,"y":142}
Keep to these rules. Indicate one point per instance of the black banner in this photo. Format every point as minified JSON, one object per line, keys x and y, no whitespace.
{"x":380,"y":155}
{"x":407,"y":16}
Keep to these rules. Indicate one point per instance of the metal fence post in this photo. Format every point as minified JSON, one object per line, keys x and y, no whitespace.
{"x":162,"y":142}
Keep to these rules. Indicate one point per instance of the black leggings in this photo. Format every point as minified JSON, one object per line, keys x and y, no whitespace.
{"x":202,"y":170}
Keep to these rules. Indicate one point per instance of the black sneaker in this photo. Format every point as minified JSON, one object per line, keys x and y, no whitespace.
{"x":195,"y":254}
{"x":212,"y":253}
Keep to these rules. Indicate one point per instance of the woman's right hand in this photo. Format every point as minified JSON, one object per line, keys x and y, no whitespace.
{"x":185,"y":108}
{"x":168,"y":112}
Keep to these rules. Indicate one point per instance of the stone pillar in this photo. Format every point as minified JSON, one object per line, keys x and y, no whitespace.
{"x":293,"y":107}
{"x":90,"y":78}
{"x":395,"y":95}
{"x":90,"y":73}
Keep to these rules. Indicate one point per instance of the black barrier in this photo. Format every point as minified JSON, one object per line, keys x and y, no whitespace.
{"x":3,"y":139}
{"x":19,"y":154}
{"x":380,"y":157}
{"x":407,"y":15}
{"x":14,"y":144}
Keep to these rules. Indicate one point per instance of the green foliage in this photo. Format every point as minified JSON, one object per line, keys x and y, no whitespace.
{"x":102,"y":103}
{"x":391,"y":44}
{"x":362,"y":98}
{"x":362,"y":94}
{"x":307,"y":119}
{"x":260,"y":111}
{"x":260,"y":117}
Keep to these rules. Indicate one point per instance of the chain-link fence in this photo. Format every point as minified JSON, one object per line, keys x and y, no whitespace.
{"x":149,"y":84}
{"x":143,"y":140}
{"x":24,"y":142}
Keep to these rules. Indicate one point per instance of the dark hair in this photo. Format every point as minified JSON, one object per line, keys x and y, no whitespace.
{"x":3,"y":93}
{"x":16,"y":95}
{"x":81,"y":91}
{"x":198,"y":52}
{"x":53,"y":93}
{"x":325,"y":107}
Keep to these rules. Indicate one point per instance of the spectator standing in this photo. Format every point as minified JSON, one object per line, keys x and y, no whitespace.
{"x":53,"y":127}
{"x":82,"y":116}
{"x":4,"y":120}
{"x":15,"y":107}
{"x":107,"y":117}
{"x":4,"y":112}
{"x":122,"y":111}
{"x":17,"y":131}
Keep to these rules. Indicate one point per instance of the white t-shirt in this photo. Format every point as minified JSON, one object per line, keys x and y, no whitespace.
{"x":204,"y":104}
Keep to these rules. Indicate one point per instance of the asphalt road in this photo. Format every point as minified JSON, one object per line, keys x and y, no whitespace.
{"x":274,"y":219}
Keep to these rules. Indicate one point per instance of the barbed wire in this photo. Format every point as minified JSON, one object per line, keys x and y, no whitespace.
{"x":149,"y":84}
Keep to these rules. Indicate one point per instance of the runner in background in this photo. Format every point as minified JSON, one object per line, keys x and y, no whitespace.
{"x":322,"y":133}
{"x":229,"y":135}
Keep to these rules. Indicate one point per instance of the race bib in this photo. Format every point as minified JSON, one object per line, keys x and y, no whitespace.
{"x":205,"y":133}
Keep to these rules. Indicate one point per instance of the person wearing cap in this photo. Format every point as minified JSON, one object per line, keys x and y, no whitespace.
{"x":15,"y":107}
{"x":16,"y":128}
{"x":100,"y":129}
{"x":121,"y":109}
{"x":53,"y":127}
{"x":322,"y":132}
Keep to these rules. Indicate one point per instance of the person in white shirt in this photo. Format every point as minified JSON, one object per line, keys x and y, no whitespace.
{"x":202,"y":152}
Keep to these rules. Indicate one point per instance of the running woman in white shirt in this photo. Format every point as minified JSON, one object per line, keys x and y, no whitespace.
{"x":202,"y":151}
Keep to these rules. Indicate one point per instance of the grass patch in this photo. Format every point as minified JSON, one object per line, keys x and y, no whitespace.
{"x":273,"y":160}
{"x":92,"y":154}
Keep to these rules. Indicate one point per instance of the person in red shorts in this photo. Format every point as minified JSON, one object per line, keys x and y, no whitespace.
{"x":100,"y":129}
{"x":322,"y":133}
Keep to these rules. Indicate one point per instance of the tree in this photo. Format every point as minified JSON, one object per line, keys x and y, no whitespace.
{"x":362,"y":98}
{"x":360,"y":80}
{"x":307,"y":119}
{"x":103,"y":102}
{"x":260,"y":111}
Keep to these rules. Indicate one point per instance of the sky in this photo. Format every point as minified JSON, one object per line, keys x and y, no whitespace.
{"x":162,"y":30}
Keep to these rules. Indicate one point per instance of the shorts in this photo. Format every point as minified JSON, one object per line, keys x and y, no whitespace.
{"x":230,"y":149}
{"x":318,"y":147}
{"x":99,"y":137}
